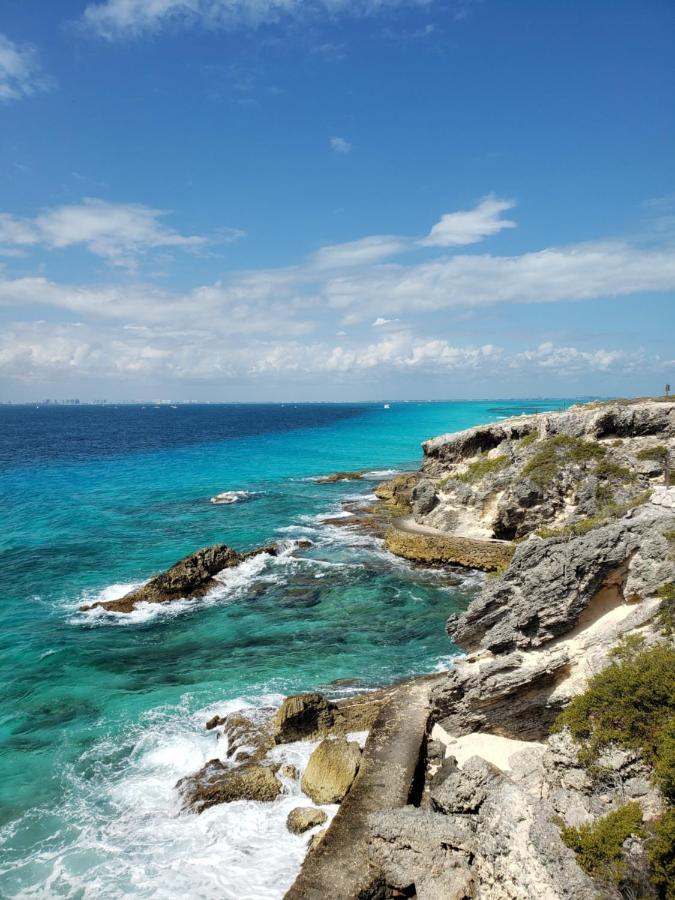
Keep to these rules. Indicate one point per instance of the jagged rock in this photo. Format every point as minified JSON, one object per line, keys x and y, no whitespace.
{"x":434,"y":549}
{"x":339,"y":476}
{"x":423,"y":498}
{"x":398,"y":491}
{"x":246,"y":732}
{"x":519,"y":851}
{"x":463,"y":791}
{"x":302,"y":818}
{"x":331,"y":769}
{"x":189,"y":578}
{"x":316,"y":839}
{"x":303,"y":717}
{"x":217,"y":782}
{"x":416,"y":848}
{"x":510,"y":694}
{"x":288,"y":770}
{"x":485,"y":487}
{"x":550,"y":583}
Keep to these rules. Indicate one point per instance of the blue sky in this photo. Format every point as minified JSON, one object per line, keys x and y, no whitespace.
{"x":337,"y":199}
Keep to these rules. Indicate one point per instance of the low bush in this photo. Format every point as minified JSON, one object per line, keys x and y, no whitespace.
{"x":630,"y":703}
{"x":662,"y":855}
{"x":666,"y":613}
{"x":657,"y":453}
{"x":598,"y":845}
{"x":558,"y":451}
{"x":482,"y":467}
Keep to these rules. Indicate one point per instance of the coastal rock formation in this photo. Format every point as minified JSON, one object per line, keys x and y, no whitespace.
{"x":483,"y":815}
{"x":217,"y":782}
{"x":248,"y":733}
{"x":439,"y":549}
{"x":189,"y":578}
{"x":551,"y":582}
{"x":507,"y":479}
{"x":302,"y":818}
{"x":303,"y":717}
{"x":331,"y":769}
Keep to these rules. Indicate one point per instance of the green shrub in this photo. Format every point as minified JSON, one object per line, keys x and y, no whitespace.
{"x":608,"y":469}
{"x":658,"y":453}
{"x":482,"y":467}
{"x":528,"y":439}
{"x":556,"y":452}
{"x":662,"y":855}
{"x":666,"y":613}
{"x":669,"y":536}
{"x":598,"y":846}
{"x":627,"y":648}
{"x":630,"y":703}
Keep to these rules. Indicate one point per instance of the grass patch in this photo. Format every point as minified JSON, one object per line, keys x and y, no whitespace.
{"x":558,"y":451}
{"x":630,"y":703}
{"x":528,"y":439}
{"x":483,"y":467}
{"x":669,"y":536}
{"x":598,"y":846}
{"x":657,"y":453}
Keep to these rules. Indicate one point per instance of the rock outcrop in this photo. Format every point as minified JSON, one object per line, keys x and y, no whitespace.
{"x":189,"y":578}
{"x":302,"y":818}
{"x":439,"y":549}
{"x":331,"y":769}
{"x":584,"y":493}
{"x":507,"y":479}
{"x":216,"y":782}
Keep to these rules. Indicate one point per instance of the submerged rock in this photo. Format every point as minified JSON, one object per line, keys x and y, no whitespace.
{"x":331,"y":769}
{"x":217,"y":782}
{"x":302,"y":818}
{"x":339,"y":476}
{"x":192,"y":576}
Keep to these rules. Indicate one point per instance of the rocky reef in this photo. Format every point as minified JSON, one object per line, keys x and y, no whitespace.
{"x":189,"y":578}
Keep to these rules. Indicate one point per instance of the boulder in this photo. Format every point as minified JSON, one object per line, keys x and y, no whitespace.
{"x":302,"y":818}
{"x":248,"y":732}
{"x":192,"y":576}
{"x":217,"y":782}
{"x":465,"y":789}
{"x":303,"y":717}
{"x":288,"y":770}
{"x":423,"y":497}
{"x":422,"y":850}
{"x":331,"y":769}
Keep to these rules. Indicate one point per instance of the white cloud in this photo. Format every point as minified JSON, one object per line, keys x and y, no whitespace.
{"x":340,"y":145}
{"x":45,"y":350}
{"x":460,"y":228}
{"x":356,"y":253}
{"x":380,"y":321}
{"x":20,"y":72}
{"x":130,"y":18}
{"x":117,"y":232}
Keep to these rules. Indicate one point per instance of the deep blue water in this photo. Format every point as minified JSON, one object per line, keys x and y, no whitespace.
{"x":100,"y":714}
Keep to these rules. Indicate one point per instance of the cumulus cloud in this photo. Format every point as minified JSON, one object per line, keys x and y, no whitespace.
{"x":20,"y":71}
{"x":291,"y":321}
{"x":117,"y":232}
{"x":466,"y":227}
{"x":340,"y":145}
{"x":46,"y":350}
{"x":131,"y":18}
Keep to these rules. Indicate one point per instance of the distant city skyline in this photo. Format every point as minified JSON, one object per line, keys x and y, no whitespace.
{"x":341,"y":201}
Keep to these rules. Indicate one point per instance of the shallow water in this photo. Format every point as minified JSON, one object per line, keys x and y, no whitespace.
{"x":101,"y":714}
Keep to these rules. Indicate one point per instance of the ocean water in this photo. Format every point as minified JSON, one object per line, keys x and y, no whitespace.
{"x":101,"y":714}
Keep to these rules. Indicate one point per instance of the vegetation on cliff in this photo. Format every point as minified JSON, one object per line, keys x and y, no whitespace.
{"x":599,"y":845}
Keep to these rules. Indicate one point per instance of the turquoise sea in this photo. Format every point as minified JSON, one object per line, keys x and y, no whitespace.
{"x":101,"y":714}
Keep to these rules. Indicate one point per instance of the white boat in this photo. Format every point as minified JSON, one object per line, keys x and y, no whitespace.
{"x":387,"y":406}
